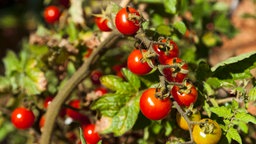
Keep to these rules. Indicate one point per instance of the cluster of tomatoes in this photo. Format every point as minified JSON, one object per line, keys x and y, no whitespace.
{"x":156,"y":103}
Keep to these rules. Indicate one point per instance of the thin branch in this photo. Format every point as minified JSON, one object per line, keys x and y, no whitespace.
{"x":64,"y":92}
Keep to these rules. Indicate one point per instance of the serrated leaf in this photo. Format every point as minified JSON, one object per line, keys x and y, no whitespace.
{"x":126,"y":117}
{"x":243,"y":126}
{"x":110,"y":104}
{"x":117,"y":84}
{"x":170,"y":6}
{"x":237,"y":64}
{"x":252,"y":94}
{"x":246,"y":117}
{"x":221,"y":111}
{"x":180,"y":27}
{"x":132,"y":79}
{"x":233,"y":134}
{"x":11,"y":63}
{"x":217,"y":83}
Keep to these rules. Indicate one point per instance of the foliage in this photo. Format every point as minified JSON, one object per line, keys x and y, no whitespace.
{"x":55,"y":54}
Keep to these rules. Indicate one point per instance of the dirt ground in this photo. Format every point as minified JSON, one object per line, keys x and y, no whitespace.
{"x":245,"y":40}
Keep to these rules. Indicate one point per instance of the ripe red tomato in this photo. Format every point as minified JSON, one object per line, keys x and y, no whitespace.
{"x":100,"y":91}
{"x":152,"y":107}
{"x":171,"y":50}
{"x":102,"y":24}
{"x":207,"y":132}
{"x":184,"y":95}
{"x":95,"y":76}
{"x":22,"y":118}
{"x":75,"y":114}
{"x":90,"y":135}
{"x":47,"y":101}
{"x":51,"y":14}
{"x":178,"y":72}
{"x":41,"y":122}
{"x":126,"y":22}
{"x":135,"y":63}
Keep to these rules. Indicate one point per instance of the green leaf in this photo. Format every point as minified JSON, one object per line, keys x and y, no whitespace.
{"x":164,"y":30}
{"x":206,"y":107}
{"x":81,"y":135}
{"x":236,"y":64}
{"x":170,"y":6}
{"x":203,"y":71}
{"x":252,"y":94}
{"x":221,"y":111}
{"x":5,"y":84}
{"x":117,"y":84}
{"x":243,"y":126}
{"x":180,"y":26}
{"x":110,"y":104}
{"x":217,"y":83}
{"x":233,"y":134}
{"x":245,"y":117}
{"x":11,"y":63}
{"x":208,"y":89}
{"x":72,"y":31}
{"x":126,"y":117}
{"x":132,"y":79}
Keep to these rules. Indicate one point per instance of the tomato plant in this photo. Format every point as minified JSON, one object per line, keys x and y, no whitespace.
{"x":152,"y":107}
{"x":157,"y":60}
{"x":208,"y":131}
{"x":51,"y":14}
{"x":22,"y":118}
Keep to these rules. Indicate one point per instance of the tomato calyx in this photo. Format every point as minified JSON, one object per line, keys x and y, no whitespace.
{"x":207,"y":127}
{"x":133,"y":16}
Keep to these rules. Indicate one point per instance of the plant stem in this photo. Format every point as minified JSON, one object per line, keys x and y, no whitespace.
{"x":63,"y":94}
{"x":190,"y":123}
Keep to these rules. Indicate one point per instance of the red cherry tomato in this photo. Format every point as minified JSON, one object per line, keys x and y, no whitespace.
{"x":41,"y":122}
{"x":22,"y":118}
{"x":184,"y":95}
{"x":126,"y":22}
{"x":135,"y":63}
{"x":95,"y":76}
{"x":178,"y":71}
{"x":102,"y":24}
{"x":171,"y":50}
{"x":100,"y":91}
{"x":74,"y":114}
{"x":90,"y":135}
{"x":51,"y":14}
{"x":47,"y":101}
{"x":152,"y":107}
